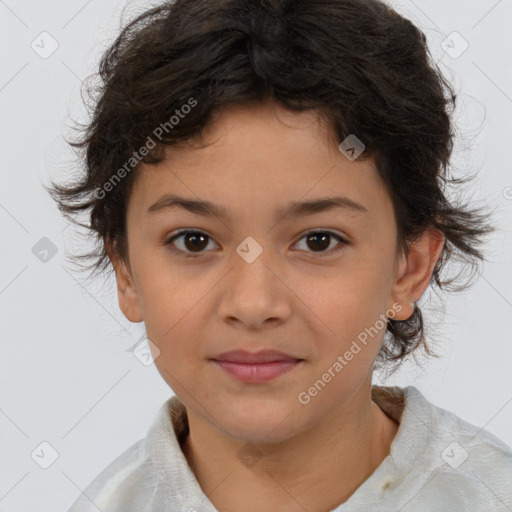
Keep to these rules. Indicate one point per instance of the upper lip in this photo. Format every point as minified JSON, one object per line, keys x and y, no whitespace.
{"x":263,"y":356}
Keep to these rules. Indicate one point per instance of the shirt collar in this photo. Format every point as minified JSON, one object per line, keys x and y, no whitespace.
{"x":407,"y":406}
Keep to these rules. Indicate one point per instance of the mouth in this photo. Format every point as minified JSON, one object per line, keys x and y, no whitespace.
{"x":256,"y":367}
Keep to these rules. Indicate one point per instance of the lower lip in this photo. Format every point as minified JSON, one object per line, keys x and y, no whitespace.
{"x":257,"y":372}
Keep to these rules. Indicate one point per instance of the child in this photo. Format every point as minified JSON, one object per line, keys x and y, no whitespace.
{"x":254,"y":129}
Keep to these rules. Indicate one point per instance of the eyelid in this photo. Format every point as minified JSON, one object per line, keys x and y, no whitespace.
{"x":325,"y":230}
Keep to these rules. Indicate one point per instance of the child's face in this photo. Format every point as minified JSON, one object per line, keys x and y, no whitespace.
{"x":298,"y":297}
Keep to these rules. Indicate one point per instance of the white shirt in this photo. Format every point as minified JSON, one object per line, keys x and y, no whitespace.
{"x":437,"y":462}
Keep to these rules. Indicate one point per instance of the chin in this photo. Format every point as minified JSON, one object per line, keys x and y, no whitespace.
{"x":258,"y":434}
{"x":265,"y":427}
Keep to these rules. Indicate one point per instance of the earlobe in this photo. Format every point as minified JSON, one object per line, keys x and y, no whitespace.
{"x":127,"y":294}
{"x":415,"y":270}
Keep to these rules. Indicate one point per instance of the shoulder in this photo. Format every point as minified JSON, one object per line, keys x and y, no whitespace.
{"x":466,"y":444}
{"x":109,"y":490}
{"x":465,"y":459}
{"x":140,"y":478}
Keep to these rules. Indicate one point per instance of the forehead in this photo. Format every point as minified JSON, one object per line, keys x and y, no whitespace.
{"x":259,"y":156}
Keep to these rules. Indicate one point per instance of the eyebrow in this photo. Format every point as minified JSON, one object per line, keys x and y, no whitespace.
{"x":294,"y":209}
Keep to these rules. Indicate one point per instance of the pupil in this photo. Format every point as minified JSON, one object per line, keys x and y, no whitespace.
{"x":195,"y":236}
{"x":324,"y":239}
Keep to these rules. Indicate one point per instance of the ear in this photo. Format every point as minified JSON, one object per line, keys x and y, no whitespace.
{"x":414,"y":271}
{"x":126,"y":290}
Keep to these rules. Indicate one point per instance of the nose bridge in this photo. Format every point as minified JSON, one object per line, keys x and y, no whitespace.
{"x":253,"y":293}
{"x":251,"y":266}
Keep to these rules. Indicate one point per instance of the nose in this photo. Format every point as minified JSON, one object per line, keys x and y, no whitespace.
{"x":254,"y":295}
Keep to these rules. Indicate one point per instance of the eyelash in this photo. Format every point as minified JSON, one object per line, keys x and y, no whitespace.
{"x":331,"y":252}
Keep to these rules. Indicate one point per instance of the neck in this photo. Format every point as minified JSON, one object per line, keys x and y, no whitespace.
{"x":315,"y":470}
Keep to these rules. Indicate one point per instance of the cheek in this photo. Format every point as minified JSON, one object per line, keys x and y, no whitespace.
{"x":353,"y":297}
{"x":168,"y":306}
{"x":350,"y":313}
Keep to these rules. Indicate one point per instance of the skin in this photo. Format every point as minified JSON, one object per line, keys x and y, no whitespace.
{"x":295,"y":297}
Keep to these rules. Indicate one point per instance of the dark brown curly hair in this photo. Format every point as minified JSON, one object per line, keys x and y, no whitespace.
{"x":366,"y":69}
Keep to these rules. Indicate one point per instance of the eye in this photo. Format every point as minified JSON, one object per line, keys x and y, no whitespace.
{"x":193,"y":243}
{"x":320,"y":240}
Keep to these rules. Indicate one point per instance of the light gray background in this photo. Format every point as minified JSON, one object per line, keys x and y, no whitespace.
{"x":66,"y":377}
